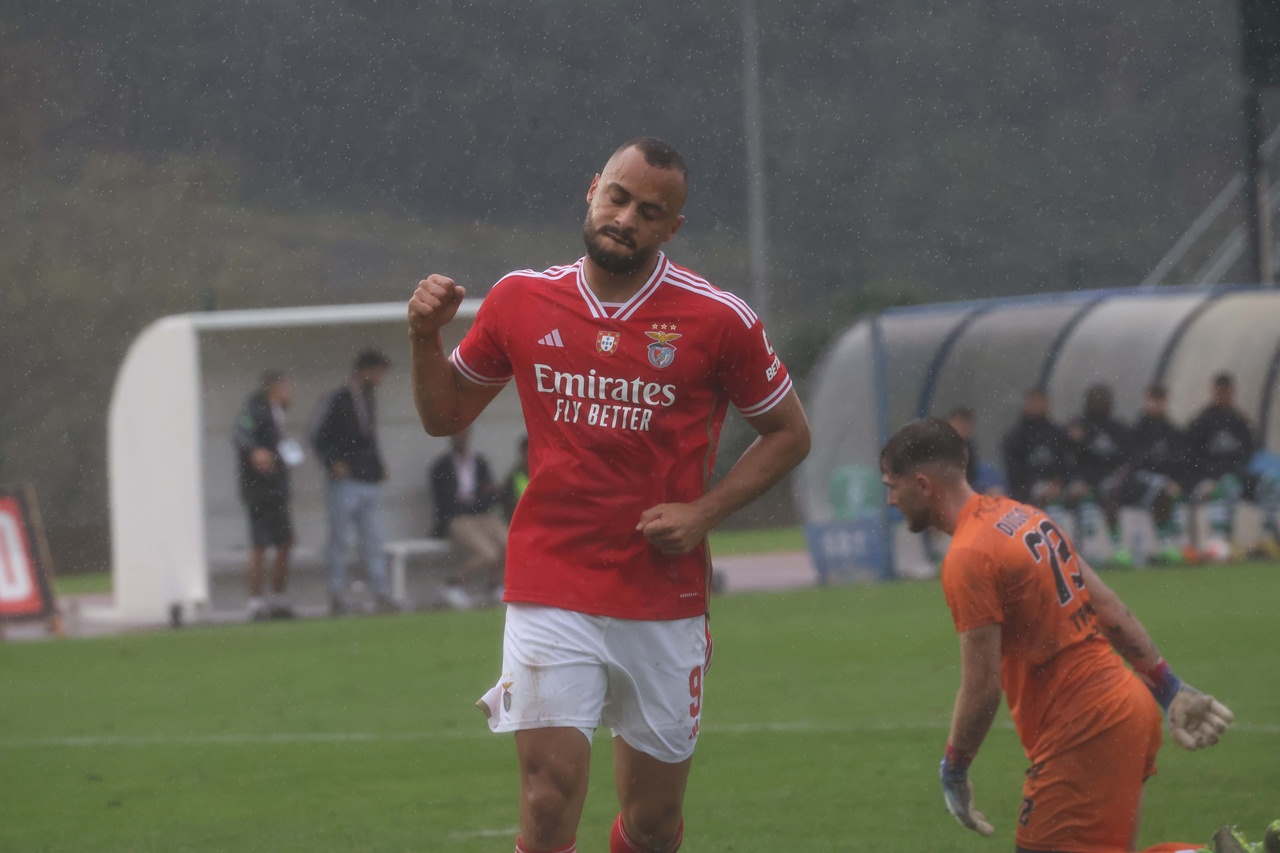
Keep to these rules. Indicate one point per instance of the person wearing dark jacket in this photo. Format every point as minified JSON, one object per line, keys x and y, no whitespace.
{"x":1219,"y":440}
{"x":1219,"y":449}
{"x":1158,"y":469}
{"x":464,"y":496}
{"x":346,"y":441}
{"x":1101,"y":446}
{"x":1037,"y":454}
{"x":262,"y":448}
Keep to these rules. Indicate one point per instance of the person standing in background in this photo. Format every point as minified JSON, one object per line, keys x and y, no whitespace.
{"x":265,"y":454}
{"x":465,"y":496}
{"x":346,"y":441}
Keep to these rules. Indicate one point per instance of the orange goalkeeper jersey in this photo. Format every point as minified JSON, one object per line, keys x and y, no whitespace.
{"x":1009,"y":564}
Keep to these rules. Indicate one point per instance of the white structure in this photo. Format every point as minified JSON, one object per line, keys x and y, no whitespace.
{"x":175,"y":508}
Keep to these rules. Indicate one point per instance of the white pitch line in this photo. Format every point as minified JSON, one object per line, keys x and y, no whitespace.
{"x":248,"y":739}
{"x":484,"y":833}
{"x":503,"y":832}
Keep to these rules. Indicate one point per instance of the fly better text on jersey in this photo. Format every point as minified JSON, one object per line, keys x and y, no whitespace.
{"x":602,"y":401}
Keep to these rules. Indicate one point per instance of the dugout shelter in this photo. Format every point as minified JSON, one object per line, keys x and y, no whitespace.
{"x":176,"y":515}
{"x":903,"y":363}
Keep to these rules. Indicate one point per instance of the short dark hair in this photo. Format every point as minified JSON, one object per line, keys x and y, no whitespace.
{"x":657,"y":153}
{"x":1157,"y":392}
{"x":921,"y":442}
{"x":1224,"y":380}
{"x":371,"y":357}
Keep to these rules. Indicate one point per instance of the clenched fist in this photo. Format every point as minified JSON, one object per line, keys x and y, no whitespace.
{"x":433,"y":304}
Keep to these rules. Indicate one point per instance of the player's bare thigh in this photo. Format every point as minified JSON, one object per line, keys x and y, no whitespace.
{"x":555,"y":763}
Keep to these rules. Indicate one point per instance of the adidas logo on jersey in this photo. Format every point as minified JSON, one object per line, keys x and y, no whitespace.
{"x":552,"y":339}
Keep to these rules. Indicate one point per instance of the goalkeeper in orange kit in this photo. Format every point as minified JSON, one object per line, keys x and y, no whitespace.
{"x":1034,"y":618}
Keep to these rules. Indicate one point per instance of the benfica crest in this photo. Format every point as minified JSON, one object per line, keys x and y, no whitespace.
{"x":661,"y":352}
{"x":607,"y":343}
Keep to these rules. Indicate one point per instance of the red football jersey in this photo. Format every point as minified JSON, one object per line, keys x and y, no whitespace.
{"x":623,"y":404}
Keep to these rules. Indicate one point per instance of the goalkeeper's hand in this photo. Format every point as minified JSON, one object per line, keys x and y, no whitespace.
{"x":1196,"y":719}
{"x":957,"y":793}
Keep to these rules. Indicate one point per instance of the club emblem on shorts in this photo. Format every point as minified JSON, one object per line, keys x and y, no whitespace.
{"x":607,"y":343}
{"x":506,"y":695}
{"x":661,"y":352}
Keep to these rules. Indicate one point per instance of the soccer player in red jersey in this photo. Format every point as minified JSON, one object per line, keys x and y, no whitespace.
{"x":1034,"y":618}
{"x":625,"y":364}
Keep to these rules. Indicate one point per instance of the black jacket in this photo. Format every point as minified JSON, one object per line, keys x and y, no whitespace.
{"x":1219,"y":442}
{"x":1035,"y":449}
{"x":1158,"y":447}
{"x":256,"y":428}
{"x":341,"y":435}
{"x":1103,"y":449}
{"x":444,"y":491}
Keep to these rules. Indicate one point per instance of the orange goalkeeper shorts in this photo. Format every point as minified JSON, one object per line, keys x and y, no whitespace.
{"x":1087,"y":799}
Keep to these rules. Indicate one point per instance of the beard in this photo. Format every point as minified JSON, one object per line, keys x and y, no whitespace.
{"x":605,"y":252}
{"x":918,"y":523}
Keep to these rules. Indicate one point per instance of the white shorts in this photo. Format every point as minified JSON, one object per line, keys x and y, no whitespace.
{"x":643,"y":679}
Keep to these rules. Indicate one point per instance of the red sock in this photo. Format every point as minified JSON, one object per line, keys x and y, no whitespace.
{"x":620,"y":843}
{"x":521,"y":847}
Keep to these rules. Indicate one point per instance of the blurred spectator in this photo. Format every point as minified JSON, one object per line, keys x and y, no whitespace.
{"x":265,"y":454}
{"x":1037,"y":454}
{"x":346,"y":440}
{"x":983,"y":478}
{"x":1157,"y":471}
{"x":1101,"y":447}
{"x":1219,"y":440}
{"x":1219,"y":449}
{"x":465,"y":497}
{"x":517,"y":478}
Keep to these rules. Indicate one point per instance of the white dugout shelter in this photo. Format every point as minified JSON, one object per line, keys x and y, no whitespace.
{"x":176,"y":514}
{"x":905,"y":363}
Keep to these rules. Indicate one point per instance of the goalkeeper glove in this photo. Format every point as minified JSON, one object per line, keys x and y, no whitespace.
{"x":1196,"y":719}
{"x":957,"y":793}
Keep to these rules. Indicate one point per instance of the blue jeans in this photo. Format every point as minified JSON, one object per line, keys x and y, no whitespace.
{"x":355,"y":505}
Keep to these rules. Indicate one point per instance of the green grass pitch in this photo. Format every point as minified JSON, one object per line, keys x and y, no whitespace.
{"x":825,"y":717}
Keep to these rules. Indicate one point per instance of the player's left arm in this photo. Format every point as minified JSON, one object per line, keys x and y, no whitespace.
{"x":677,"y":528}
{"x":1196,"y":719}
{"x":976,"y":705}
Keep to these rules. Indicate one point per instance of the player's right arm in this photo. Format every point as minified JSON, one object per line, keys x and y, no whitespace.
{"x":446,"y":401}
{"x":1196,"y":719}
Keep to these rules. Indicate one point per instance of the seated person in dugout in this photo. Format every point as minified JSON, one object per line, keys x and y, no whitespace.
{"x":982,"y":477}
{"x":465,"y":499}
{"x":1156,"y":473}
{"x":1219,"y":447}
{"x":1101,"y":446}
{"x":1037,"y":454}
